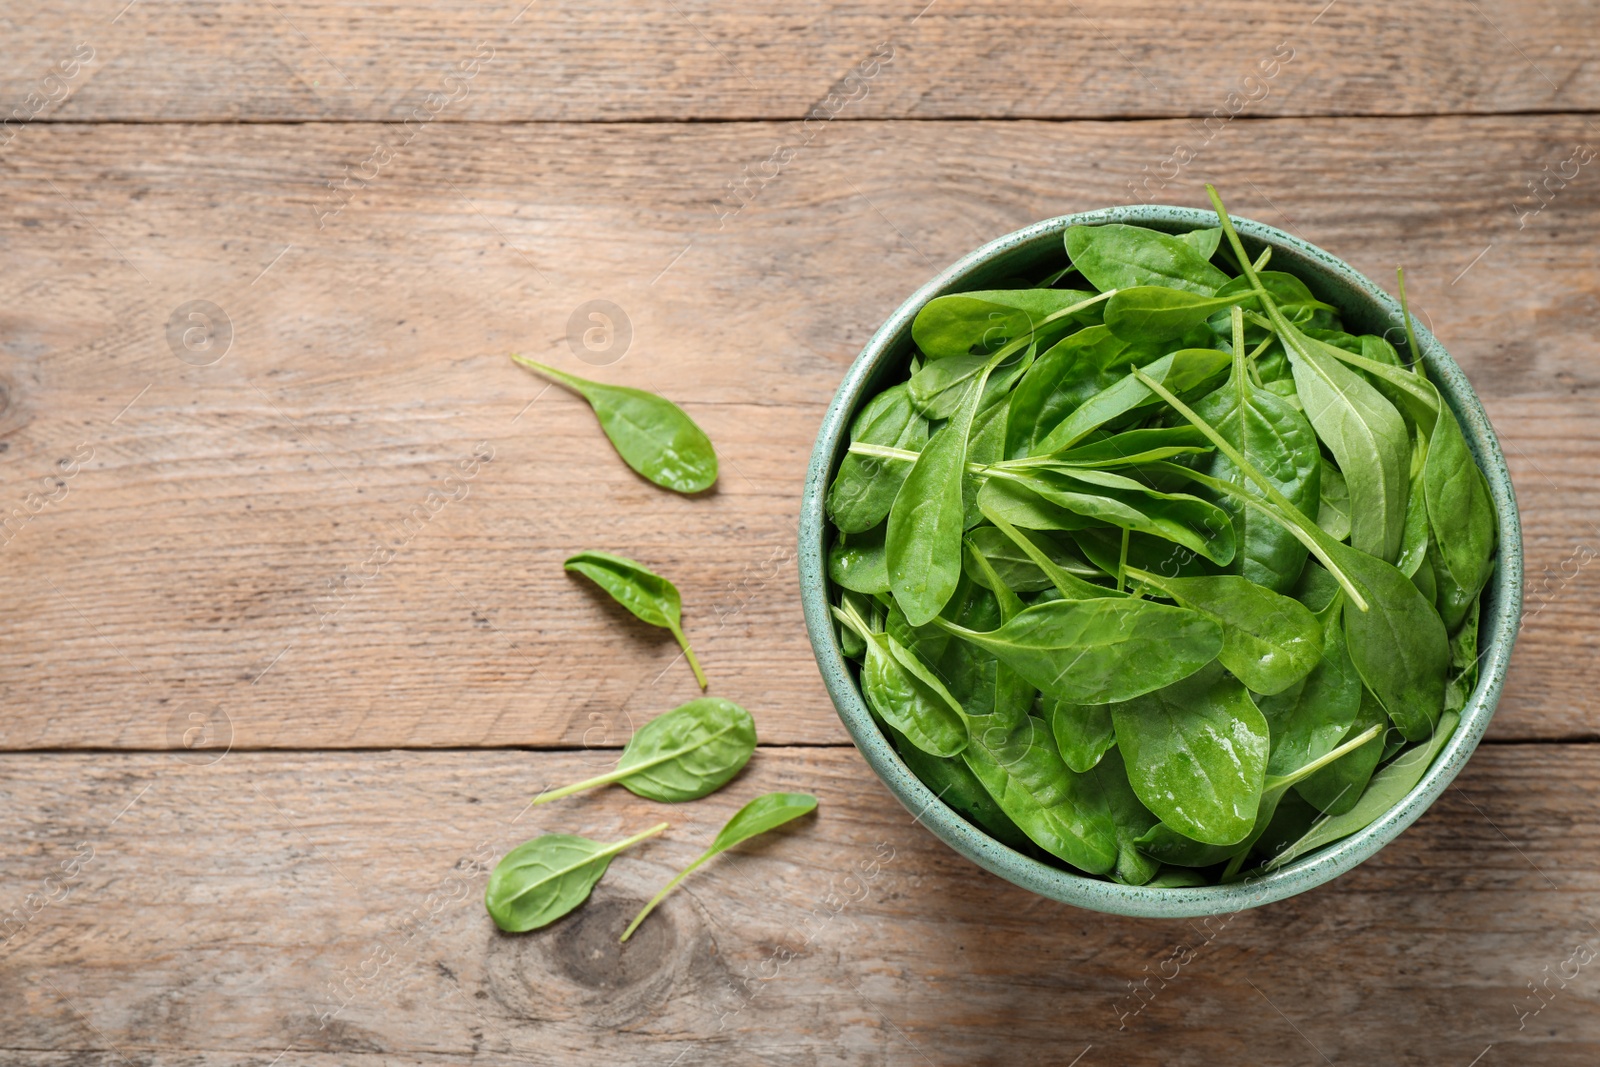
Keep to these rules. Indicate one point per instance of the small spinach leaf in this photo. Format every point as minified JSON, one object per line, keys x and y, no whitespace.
{"x":1333,"y":503}
{"x":928,"y":716}
{"x":1179,"y":372}
{"x":1083,"y":732}
{"x":685,"y":754}
{"x":1130,"y":818}
{"x":1061,"y":811}
{"x":762,"y":814}
{"x":1110,"y":499}
{"x":857,"y":562}
{"x":1155,"y":313}
{"x":1269,"y":641}
{"x":541,"y":880}
{"x":650,"y":432}
{"x":1014,"y":566}
{"x":983,"y":322}
{"x":923,"y":545}
{"x":649,"y":596}
{"x":1337,"y":787}
{"x":1061,"y":380}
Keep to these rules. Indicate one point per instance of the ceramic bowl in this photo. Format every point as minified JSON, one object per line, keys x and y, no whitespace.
{"x":1366,"y":309}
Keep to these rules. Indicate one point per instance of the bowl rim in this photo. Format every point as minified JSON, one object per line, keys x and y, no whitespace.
{"x":1500,"y":622}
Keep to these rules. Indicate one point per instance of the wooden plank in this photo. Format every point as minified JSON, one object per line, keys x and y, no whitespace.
{"x":229,"y":60}
{"x":186,"y":566}
{"x":324,"y":908}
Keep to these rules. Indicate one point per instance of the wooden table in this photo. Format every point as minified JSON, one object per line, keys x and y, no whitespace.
{"x":279,"y":679}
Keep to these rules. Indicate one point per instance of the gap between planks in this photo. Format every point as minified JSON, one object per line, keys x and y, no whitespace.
{"x":714,"y":120}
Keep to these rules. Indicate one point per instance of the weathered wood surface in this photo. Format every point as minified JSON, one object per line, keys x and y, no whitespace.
{"x":188,"y":563}
{"x":219,"y":912}
{"x":197,"y":569}
{"x":233,"y":60}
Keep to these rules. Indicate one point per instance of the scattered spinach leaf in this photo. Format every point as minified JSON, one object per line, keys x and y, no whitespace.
{"x":685,"y":754}
{"x":541,"y":880}
{"x":762,"y":814}
{"x":650,"y":432}
{"x":649,"y":596}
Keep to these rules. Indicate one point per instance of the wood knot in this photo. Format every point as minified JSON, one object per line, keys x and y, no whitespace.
{"x":586,"y":949}
{"x":577,"y":969}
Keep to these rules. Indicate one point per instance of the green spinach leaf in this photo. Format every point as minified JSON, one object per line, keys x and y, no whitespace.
{"x":983,"y":322}
{"x":1099,"y":651}
{"x":1389,"y":787}
{"x":541,"y":880}
{"x":1014,"y":566}
{"x":865,"y":486}
{"x":857,"y":562}
{"x":649,"y":596}
{"x":1116,"y":256}
{"x":1130,"y":818}
{"x":1061,"y":380}
{"x":762,"y":814}
{"x":1083,"y":732}
{"x":1269,"y":641}
{"x":1196,"y":753}
{"x":1180,"y":372}
{"x":650,"y":432}
{"x":923,"y":544}
{"x":1333,"y":503}
{"x":685,"y":754}
{"x":1062,"y":812}
{"x":1111,"y":499}
{"x":1155,"y":313}
{"x":928,"y":716}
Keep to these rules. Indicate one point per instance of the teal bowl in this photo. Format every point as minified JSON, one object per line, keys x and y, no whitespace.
{"x":1366,"y":309}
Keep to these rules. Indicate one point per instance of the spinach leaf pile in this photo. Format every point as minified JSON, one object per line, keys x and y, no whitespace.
{"x":1153,"y":569}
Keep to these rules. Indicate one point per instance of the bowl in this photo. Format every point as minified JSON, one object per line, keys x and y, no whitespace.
{"x":1365,"y":308}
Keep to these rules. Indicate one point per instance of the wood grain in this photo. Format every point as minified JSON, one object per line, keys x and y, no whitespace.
{"x":232,"y":60}
{"x":329,"y":904}
{"x":216,"y":551}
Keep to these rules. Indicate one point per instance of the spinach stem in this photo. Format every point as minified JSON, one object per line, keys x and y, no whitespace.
{"x":1070,"y":586}
{"x":1241,"y":363}
{"x":669,"y":887}
{"x":559,"y":377}
{"x":1405,"y":314}
{"x":1282,"y":782}
{"x":683,"y":643}
{"x":1122,"y":561}
{"x":862,"y":448}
